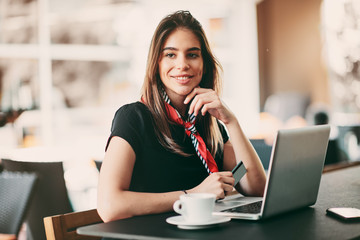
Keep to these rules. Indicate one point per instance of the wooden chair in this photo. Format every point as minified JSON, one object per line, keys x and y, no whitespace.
{"x":63,"y":226}
{"x":7,"y":236}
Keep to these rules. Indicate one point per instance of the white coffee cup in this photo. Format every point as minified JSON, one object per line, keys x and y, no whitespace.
{"x":195,"y":207}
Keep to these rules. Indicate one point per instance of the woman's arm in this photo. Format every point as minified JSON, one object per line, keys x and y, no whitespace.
{"x":239,"y":149}
{"x":115,"y":201}
{"x":236,"y":150}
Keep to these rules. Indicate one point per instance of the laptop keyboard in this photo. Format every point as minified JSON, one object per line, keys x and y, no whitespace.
{"x":254,"y":207}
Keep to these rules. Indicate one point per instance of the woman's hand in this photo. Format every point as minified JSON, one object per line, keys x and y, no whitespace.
{"x":206,"y":100}
{"x":217,"y":183}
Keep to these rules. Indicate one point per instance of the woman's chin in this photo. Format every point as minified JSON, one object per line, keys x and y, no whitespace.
{"x":180,"y":91}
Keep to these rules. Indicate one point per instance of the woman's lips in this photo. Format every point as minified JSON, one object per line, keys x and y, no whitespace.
{"x":182,"y":79}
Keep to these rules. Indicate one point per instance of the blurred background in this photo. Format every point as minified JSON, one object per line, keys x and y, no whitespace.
{"x":67,"y":66}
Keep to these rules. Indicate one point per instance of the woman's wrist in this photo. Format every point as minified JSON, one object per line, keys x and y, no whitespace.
{"x":233,"y":122}
{"x":229,"y":118}
{"x":188,"y":191}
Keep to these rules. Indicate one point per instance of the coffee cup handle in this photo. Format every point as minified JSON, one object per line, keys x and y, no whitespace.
{"x":179,"y":207}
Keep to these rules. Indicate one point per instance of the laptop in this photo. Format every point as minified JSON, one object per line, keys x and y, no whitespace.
{"x":293,"y":178}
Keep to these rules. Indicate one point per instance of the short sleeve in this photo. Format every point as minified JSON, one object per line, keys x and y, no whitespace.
{"x":128,"y":123}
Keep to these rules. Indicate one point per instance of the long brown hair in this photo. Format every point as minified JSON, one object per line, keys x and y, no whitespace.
{"x":151,"y":90}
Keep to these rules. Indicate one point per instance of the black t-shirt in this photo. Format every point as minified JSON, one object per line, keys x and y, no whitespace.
{"x":157,"y":169}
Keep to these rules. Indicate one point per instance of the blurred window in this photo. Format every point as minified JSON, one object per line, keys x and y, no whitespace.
{"x":18,"y":21}
{"x":19,"y":84}
{"x":92,"y":53}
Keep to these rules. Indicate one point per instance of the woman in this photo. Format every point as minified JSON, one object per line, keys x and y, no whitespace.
{"x":171,"y":142}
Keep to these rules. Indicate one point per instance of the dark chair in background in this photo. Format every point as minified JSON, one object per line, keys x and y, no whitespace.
{"x":16,"y":192}
{"x":333,"y":153}
{"x":1,"y":167}
{"x":285,"y":105}
{"x":349,"y":142}
{"x":98,"y":164}
{"x":263,"y":150}
{"x":50,"y":197}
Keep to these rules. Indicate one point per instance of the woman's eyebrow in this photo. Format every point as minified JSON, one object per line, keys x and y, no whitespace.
{"x":175,"y":49}
{"x":194,"y":49}
{"x":170,"y":48}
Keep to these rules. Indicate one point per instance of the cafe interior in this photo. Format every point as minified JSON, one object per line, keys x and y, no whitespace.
{"x":67,"y":66}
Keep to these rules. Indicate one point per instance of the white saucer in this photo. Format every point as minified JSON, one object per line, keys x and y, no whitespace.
{"x":181,"y":223}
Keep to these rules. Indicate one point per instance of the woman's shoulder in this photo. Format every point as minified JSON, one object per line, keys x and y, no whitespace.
{"x":133,"y":111}
{"x":130,"y":122}
{"x":134,"y":106}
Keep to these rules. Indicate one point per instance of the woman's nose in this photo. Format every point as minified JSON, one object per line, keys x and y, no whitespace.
{"x":182,"y":63}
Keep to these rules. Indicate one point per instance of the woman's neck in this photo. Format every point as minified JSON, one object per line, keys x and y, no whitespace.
{"x":178,"y":102}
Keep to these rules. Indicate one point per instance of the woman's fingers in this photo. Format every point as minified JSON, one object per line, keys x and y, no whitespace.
{"x":224,"y":181}
{"x":218,"y":183}
{"x":198,"y":103}
{"x":207,"y":101}
{"x":228,"y":188}
{"x":223,"y":190}
{"x":206,"y":107}
{"x":193,"y":93}
{"x":203,"y":97}
{"x":226,"y":177}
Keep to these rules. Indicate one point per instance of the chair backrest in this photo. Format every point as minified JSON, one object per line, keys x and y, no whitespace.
{"x":333,"y":153}
{"x":50,"y":196}
{"x":16,"y":191}
{"x":349,"y":142}
{"x":285,"y":105}
{"x":63,"y":226}
{"x":98,"y":164}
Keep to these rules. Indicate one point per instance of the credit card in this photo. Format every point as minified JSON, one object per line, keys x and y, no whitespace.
{"x":238,"y":172}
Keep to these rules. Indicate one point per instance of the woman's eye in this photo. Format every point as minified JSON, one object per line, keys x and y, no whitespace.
{"x":193,"y":55}
{"x":170,"y":55}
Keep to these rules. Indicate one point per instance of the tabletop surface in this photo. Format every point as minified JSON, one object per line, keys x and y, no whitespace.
{"x":339,"y":188}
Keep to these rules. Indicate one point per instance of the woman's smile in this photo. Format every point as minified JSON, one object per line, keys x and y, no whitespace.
{"x":182,"y":79}
{"x":181,"y":64}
